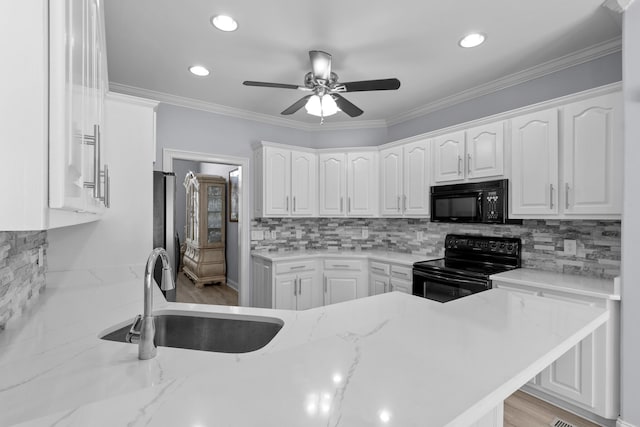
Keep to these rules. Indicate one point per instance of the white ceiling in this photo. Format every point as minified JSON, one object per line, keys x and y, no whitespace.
{"x":151,"y":43}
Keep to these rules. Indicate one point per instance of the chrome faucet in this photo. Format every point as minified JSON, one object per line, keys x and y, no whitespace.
{"x":144,"y":334}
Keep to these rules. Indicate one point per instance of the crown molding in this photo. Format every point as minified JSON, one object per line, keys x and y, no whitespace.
{"x":239,"y":113}
{"x":578,"y":57}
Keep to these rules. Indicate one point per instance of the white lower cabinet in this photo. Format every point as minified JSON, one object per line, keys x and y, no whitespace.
{"x":344,"y":280}
{"x":295,"y":291}
{"x":587,"y":376}
{"x":385,"y":277}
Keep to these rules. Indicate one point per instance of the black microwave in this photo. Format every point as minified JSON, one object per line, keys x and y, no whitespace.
{"x":477,"y":202}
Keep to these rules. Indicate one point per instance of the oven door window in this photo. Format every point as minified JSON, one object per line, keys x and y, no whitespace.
{"x":463,"y":208}
{"x":445,"y":288}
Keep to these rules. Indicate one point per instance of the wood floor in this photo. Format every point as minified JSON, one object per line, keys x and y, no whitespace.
{"x":524,"y":410}
{"x":218,"y":294}
{"x":520,"y":409}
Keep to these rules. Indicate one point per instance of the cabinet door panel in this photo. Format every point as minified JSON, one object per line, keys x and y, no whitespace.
{"x":332,"y":184}
{"x":305,"y":295}
{"x":340,"y":289}
{"x":277,"y":177}
{"x":304,"y":193}
{"x":417,"y":168}
{"x":379,"y":284}
{"x":534,"y":160}
{"x":448,"y":157}
{"x":593,"y":156}
{"x":284,"y":289}
{"x":401,"y":286}
{"x":362,"y":184}
{"x":391,"y":181}
{"x":485,"y":151}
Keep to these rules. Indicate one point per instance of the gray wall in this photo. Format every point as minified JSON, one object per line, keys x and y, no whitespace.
{"x":598,"y":72}
{"x":630,"y":306}
{"x":231,"y":244}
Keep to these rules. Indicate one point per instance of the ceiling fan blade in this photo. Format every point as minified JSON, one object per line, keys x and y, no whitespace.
{"x":265,"y":84}
{"x":297,"y":105}
{"x":320,"y":64}
{"x":365,"y":85}
{"x":346,"y":106}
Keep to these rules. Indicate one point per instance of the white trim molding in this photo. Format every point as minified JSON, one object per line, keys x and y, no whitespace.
{"x":621,"y":423}
{"x":578,"y":57}
{"x":244,"y":244}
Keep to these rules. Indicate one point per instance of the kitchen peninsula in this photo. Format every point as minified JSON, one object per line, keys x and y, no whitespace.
{"x":390,"y":359}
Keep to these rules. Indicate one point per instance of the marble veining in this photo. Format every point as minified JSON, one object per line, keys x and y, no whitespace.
{"x":348,"y":364}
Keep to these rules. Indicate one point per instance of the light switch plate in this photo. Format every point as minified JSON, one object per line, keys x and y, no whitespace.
{"x":41,"y":257}
{"x":257,"y":235}
{"x":570,"y":247}
{"x":298,"y":234}
{"x":419,"y":236}
{"x":274,"y":235}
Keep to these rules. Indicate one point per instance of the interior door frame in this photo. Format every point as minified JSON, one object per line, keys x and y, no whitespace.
{"x":244,"y":244}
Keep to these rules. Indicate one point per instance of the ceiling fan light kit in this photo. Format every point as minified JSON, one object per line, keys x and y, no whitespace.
{"x":325,"y":99}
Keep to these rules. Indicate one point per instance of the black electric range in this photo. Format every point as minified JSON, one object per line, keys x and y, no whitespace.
{"x":468,"y":262}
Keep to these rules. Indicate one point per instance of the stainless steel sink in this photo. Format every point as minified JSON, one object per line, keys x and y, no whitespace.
{"x":208,"y":332}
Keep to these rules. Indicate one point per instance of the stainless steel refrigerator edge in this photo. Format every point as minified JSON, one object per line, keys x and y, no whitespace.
{"x":164,"y":228}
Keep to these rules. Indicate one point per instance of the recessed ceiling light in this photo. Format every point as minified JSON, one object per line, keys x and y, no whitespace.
{"x":199,"y":70}
{"x":224,"y":23}
{"x":472,"y":40}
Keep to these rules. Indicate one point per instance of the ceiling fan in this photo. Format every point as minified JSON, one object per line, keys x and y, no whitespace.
{"x":325,"y":99}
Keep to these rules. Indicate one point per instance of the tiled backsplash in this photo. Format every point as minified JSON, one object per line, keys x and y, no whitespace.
{"x":598,"y":242}
{"x":21,"y":276}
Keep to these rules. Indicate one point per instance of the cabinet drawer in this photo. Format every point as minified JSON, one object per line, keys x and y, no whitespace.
{"x":515,"y":289}
{"x":295,"y":266}
{"x":405,"y":273}
{"x":379,"y":268}
{"x":340,"y":264}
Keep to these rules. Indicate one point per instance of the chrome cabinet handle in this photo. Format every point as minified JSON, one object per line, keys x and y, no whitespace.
{"x":92,"y":140}
{"x":468,"y":164}
{"x":551,"y":196}
{"x":287,"y":202}
{"x":459,"y":165}
{"x":378,"y":269}
{"x":325,"y":284}
{"x":296,"y":267}
{"x":340,"y":266}
{"x":566,"y":195}
{"x":348,"y":204}
{"x":294,"y":203}
{"x":341,"y":204}
{"x":106,"y":197}
{"x":295,"y":287}
{"x":398,"y":203}
{"x":404,"y":203}
{"x":299,"y":286}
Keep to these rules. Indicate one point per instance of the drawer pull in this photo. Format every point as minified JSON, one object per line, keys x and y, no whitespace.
{"x":378,"y":269}
{"x":297,"y":267}
{"x":340,"y":266}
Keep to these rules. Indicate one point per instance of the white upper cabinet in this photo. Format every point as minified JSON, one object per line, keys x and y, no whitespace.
{"x":485,"y":151}
{"x":288,"y":180}
{"x":592,"y":153}
{"x":472,"y":154}
{"x":77,"y":87}
{"x":404,"y":180}
{"x":534,"y":164}
{"x":448,"y":157}
{"x":348,"y":184}
{"x":304,"y":181}
{"x":588,"y":182}
{"x":333,"y":183}
{"x":53,"y":111}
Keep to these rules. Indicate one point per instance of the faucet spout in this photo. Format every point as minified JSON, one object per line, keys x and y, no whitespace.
{"x":146,"y":345}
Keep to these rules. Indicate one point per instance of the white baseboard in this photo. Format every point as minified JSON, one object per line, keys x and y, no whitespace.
{"x":234,"y":285}
{"x":622,"y":423}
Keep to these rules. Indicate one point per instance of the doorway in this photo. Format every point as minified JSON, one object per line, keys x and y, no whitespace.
{"x":180,"y":162}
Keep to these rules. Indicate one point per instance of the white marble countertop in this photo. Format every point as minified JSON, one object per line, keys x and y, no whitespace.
{"x":570,"y":283}
{"x":402,"y":258}
{"x":392,"y":359}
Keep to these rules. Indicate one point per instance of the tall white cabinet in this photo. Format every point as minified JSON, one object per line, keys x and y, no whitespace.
{"x":405,"y":172}
{"x":348,"y":183}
